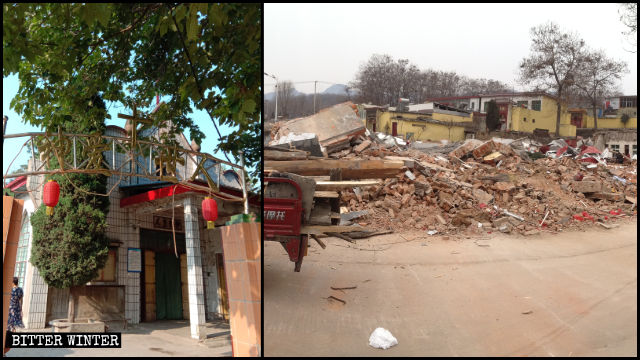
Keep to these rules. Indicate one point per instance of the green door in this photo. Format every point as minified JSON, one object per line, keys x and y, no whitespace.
{"x":168,"y":291}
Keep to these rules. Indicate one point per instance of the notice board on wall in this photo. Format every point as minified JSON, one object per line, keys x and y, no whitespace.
{"x":134,"y":260}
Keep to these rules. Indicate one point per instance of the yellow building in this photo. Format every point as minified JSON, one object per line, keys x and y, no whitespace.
{"x":523,"y":111}
{"x":583,"y":118}
{"x":541,"y":115}
{"x":424,"y":124}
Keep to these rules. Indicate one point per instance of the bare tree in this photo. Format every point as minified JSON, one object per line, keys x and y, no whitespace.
{"x":285,"y":93}
{"x":597,"y":78}
{"x":371,"y":77}
{"x":554,"y":61}
{"x":382,"y":80}
{"x":629,"y":17}
{"x":269,"y":109}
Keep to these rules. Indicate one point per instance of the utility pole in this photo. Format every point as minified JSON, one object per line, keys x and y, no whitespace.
{"x":272,"y":76}
{"x":315,"y":86}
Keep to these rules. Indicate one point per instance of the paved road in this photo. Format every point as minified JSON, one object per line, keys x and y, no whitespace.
{"x":572,"y":294}
{"x":154,"y":339}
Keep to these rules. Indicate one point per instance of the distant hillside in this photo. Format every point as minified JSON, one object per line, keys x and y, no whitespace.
{"x":336,"y":89}
{"x":272,"y":95}
{"x":340,"y":89}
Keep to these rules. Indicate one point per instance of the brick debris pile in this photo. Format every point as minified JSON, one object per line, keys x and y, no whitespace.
{"x":494,"y":191}
{"x":473,"y":187}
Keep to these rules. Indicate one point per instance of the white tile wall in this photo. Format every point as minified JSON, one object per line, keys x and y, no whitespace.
{"x":211,"y":246}
{"x":194,"y":268}
{"x":36,"y":299}
{"x":123,"y":225}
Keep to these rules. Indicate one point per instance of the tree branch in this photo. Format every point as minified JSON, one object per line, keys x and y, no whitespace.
{"x":193,"y":73}
{"x":122,"y":31}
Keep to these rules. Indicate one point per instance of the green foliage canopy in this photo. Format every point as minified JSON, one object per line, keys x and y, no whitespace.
{"x":70,"y":247}
{"x":203,"y":55}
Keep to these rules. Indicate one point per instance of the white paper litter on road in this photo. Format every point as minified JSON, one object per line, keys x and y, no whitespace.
{"x":382,"y":339}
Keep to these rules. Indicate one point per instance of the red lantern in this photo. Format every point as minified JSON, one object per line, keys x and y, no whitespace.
{"x":209,"y":211}
{"x":51,"y":195}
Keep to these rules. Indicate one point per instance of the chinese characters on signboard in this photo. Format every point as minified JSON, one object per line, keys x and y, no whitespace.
{"x":161,"y":222}
{"x":274,"y":215}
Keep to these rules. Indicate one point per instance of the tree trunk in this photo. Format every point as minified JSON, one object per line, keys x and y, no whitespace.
{"x":558,"y":118}
{"x":72,"y":304}
{"x":595,"y":117}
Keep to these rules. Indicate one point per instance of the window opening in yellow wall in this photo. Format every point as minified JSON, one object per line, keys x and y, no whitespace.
{"x":536,"y":105}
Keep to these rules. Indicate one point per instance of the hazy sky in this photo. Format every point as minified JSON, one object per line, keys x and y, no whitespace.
{"x":328,"y":42}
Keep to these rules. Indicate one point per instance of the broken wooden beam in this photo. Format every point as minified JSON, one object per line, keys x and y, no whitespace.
{"x":345,"y":219}
{"x":360,"y":148}
{"x":326,"y":194}
{"x":365,"y":234}
{"x":434,"y":167}
{"x":342,"y":185}
{"x":351,"y":169}
{"x":322,"y":245}
{"x":321,"y":229}
{"x":341,"y":236}
{"x":285,"y":155}
{"x":408,"y":162}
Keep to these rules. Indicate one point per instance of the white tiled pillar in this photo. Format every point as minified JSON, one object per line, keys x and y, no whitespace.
{"x":210,"y":272}
{"x":122,"y":229}
{"x":132,"y":297}
{"x":35,"y":306}
{"x":194,"y":269}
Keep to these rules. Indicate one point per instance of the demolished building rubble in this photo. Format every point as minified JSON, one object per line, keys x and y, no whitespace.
{"x":500,"y":185}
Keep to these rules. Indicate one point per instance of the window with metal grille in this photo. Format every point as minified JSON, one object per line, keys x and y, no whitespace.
{"x":21,"y":255}
{"x":536,"y":105}
{"x":524,"y":104}
{"x":626,"y":102}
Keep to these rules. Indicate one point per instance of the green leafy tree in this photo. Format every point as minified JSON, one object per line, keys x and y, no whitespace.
{"x":206,"y":56}
{"x":493,"y":116}
{"x":70,"y":247}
